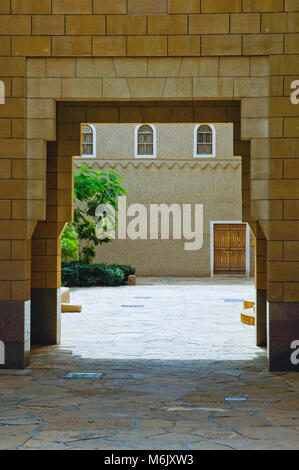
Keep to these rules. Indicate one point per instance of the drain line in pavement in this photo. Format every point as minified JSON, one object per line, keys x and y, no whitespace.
{"x":83,"y":375}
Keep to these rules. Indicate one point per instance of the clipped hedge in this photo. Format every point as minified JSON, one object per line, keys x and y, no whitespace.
{"x":126,"y":269}
{"x":76,"y":274}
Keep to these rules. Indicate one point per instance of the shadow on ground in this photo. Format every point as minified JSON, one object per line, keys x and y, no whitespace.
{"x":147,"y":404}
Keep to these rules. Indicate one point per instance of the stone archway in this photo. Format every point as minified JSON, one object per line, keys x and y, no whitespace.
{"x":74,"y":83}
{"x":69,"y":116}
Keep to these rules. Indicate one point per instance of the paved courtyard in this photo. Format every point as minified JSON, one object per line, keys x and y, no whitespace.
{"x":164,"y":319}
{"x":179,"y":371}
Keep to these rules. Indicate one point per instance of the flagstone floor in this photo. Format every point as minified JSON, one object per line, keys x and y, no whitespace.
{"x":179,"y":372}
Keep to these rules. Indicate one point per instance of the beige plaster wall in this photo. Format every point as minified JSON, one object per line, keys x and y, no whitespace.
{"x":216,"y":185}
{"x":116,"y":141}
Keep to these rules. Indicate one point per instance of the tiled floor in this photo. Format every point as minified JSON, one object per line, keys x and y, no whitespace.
{"x":176,"y":319}
{"x":174,"y":371}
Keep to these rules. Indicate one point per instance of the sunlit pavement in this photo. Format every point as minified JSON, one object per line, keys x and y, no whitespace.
{"x":168,"y":319}
{"x":178,"y":371}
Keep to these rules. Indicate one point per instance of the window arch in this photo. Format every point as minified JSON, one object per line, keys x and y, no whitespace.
{"x":204,"y":141}
{"x":88,"y":141}
{"x":145,"y":141}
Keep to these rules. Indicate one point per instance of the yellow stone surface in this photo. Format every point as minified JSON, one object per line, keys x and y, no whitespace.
{"x":123,"y":24}
{"x":214,"y":49}
{"x":247,"y":319}
{"x":65,"y":308}
{"x":187,"y":6}
{"x":147,"y":45}
{"x":85,"y":25}
{"x":209,"y":24}
{"x":146,"y":7}
{"x":48,"y":25}
{"x":184,"y":45}
{"x":110,"y":7}
{"x":219,"y":6}
{"x":79,"y":7}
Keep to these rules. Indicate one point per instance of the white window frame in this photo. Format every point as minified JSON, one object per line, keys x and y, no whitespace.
{"x":94,"y":140}
{"x":205,"y":155}
{"x":154,"y":141}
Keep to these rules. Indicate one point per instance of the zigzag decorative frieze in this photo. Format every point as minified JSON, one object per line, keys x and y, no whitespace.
{"x":170,"y":164}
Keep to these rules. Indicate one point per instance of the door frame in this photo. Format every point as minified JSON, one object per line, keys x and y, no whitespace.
{"x":247,"y":245}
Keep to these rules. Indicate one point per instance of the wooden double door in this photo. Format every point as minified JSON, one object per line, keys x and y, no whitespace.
{"x":229,"y":248}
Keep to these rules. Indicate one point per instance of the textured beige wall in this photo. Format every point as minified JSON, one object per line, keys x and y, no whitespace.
{"x":173,"y":140}
{"x":216,"y":185}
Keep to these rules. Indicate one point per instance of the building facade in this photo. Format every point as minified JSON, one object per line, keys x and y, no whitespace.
{"x":175,"y":164}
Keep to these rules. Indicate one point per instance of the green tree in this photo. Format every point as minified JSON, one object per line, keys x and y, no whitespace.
{"x":92,"y":188}
{"x":70,"y":244}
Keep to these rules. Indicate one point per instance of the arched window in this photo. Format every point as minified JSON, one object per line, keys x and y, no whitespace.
{"x":204,"y":141}
{"x":145,"y":141}
{"x":88,"y":141}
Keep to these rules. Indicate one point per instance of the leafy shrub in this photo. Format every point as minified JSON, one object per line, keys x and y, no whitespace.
{"x":70,"y":244}
{"x":76,"y":274}
{"x":127,"y":270}
{"x":118,"y":276}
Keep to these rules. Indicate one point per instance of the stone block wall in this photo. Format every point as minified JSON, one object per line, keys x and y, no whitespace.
{"x":53,"y":50}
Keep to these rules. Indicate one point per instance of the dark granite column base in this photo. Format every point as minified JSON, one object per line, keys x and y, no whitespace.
{"x":261,"y":317}
{"x":14,"y":334}
{"x":45,"y":316}
{"x":283,"y":332}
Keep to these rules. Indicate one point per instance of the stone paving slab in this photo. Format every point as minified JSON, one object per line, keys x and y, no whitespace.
{"x":164,"y":388}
